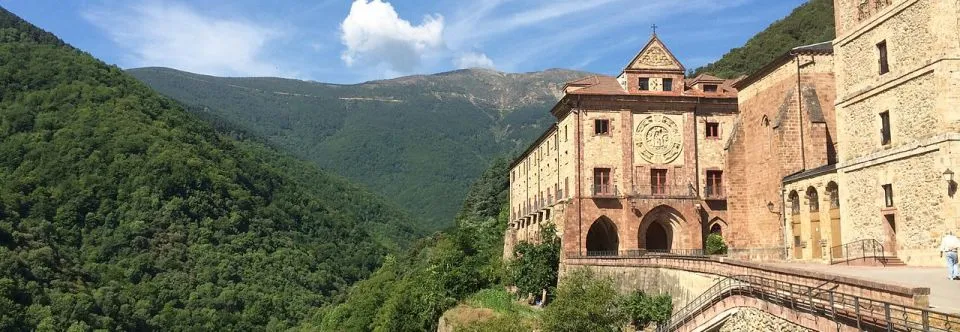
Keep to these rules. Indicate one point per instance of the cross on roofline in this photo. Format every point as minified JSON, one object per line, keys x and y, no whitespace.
{"x":654,"y":27}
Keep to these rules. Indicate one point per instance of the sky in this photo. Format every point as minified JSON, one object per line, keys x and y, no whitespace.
{"x":344,"y":41}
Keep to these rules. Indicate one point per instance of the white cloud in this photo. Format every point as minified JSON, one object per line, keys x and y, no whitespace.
{"x":174,"y":35}
{"x":374,"y":34}
{"x":473,"y":60}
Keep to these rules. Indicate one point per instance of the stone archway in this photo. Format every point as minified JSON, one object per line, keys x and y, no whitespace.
{"x":602,"y":237}
{"x":657,"y":238}
{"x":658,"y":227}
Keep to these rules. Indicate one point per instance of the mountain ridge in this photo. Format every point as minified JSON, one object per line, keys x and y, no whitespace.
{"x":121,"y":210}
{"x":419,"y":140}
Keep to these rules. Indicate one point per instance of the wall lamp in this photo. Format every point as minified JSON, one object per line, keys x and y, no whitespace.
{"x":948,"y":176}
{"x":772,"y":208}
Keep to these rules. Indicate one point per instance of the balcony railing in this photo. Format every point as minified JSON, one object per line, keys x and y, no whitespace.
{"x":635,"y":253}
{"x":714,"y":192}
{"x":663,"y":191}
{"x":605,"y":190}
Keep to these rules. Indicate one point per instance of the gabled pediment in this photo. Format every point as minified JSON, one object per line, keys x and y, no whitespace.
{"x":656,"y":57}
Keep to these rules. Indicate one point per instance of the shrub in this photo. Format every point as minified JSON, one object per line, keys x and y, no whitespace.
{"x":584,"y":303}
{"x":716,"y":245}
{"x":641,"y":309}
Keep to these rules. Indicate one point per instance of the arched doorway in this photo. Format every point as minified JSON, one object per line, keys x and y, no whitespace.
{"x":716,"y":229}
{"x":657,"y":238}
{"x":602,"y":238}
{"x":658,"y":227}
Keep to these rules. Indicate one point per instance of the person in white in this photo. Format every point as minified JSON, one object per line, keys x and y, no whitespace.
{"x":948,"y":248}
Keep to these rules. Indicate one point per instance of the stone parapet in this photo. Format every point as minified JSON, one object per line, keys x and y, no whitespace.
{"x":895,"y":294}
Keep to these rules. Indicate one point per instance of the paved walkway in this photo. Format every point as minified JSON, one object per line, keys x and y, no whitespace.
{"x":944,"y":294}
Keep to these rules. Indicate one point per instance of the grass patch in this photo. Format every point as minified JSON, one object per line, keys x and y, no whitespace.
{"x":500,"y":301}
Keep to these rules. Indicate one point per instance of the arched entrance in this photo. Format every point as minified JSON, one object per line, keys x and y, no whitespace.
{"x":658,"y":227}
{"x":602,"y":238}
{"x":657,"y":238}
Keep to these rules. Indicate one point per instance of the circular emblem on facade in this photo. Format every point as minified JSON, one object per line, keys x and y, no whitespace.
{"x":658,"y":139}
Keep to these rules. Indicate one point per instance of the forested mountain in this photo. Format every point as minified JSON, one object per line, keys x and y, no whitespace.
{"x":419,"y":140}
{"x":810,"y":23}
{"x":120,"y":210}
{"x":411,"y":290}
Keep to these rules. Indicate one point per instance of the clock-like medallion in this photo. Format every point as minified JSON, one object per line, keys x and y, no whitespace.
{"x":658,"y":139}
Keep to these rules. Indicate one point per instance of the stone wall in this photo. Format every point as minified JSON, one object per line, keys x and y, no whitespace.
{"x":683,"y":286}
{"x":752,"y":320}
{"x":766,"y":146}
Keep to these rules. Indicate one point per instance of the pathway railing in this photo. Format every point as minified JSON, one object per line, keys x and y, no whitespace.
{"x":860,"y":249}
{"x":850,"y":310}
{"x":635,"y":253}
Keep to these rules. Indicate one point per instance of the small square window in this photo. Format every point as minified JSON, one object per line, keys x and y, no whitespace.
{"x":709,"y":88}
{"x":644,"y":84}
{"x":601,"y":127}
{"x":888,"y":195}
{"x":882,"y":50}
{"x":667,"y":84}
{"x":713,"y":130}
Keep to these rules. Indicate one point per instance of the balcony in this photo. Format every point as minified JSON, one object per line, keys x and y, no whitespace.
{"x":714,"y":193}
{"x":605,"y":190}
{"x":663,"y":191}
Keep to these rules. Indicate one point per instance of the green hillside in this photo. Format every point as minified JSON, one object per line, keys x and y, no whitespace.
{"x":418,"y":140}
{"x":119,"y":210}
{"x":810,"y":23}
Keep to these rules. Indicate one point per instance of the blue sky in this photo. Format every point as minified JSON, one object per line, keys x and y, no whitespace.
{"x":344,"y":41}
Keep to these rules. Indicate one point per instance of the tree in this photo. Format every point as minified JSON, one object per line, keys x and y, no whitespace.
{"x":641,"y":309}
{"x":584,"y":303}
{"x":534,"y":267}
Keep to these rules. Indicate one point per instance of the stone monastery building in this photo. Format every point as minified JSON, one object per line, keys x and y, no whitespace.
{"x":835,"y":148}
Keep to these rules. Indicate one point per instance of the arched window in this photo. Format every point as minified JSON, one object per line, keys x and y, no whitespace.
{"x":716,"y":229}
{"x":794,"y":202}
{"x":833,"y":191}
{"x":765,"y":121}
{"x":813,"y":200}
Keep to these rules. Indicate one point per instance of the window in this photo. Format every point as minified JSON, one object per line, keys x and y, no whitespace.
{"x":882,"y":50}
{"x":658,"y":181}
{"x":888,"y":195}
{"x":713,"y":130}
{"x":566,"y":186}
{"x":601,"y":127}
{"x":794,"y":199}
{"x":714,"y":184}
{"x":601,"y":181}
{"x":667,"y":84}
{"x":813,"y":199}
{"x":565,"y":137}
{"x":885,"y":128}
{"x":709,"y":88}
{"x":644,"y":83}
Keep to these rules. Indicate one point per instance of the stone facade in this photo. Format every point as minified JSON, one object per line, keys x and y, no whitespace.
{"x":786,"y":126}
{"x":626,"y":166}
{"x":918,"y":91}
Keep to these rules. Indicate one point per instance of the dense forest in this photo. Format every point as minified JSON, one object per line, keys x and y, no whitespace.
{"x":810,"y":23}
{"x":120,"y":210}
{"x":373,"y":133}
{"x":412,"y":290}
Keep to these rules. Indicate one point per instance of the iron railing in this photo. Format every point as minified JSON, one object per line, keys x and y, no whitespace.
{"x":859,"y":249}
{"x":714,"y":192}
{"x":635,"y":253}
{"x":605,"y":190}
{"x":850,"y":310}
{"x":664,"y":191}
